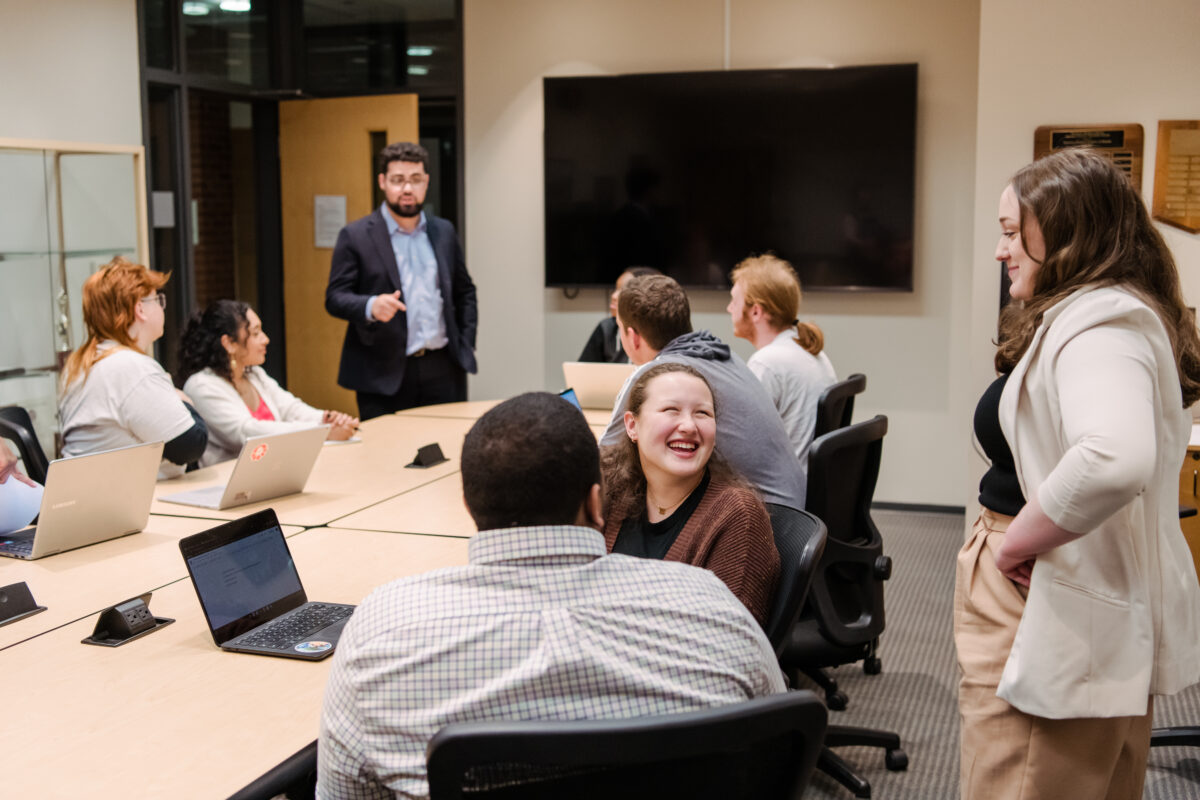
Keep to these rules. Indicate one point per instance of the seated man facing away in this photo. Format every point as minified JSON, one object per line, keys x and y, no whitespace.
{"x":789,"y":355}
{"x":656,"y":326}
{"x":540,"y":624}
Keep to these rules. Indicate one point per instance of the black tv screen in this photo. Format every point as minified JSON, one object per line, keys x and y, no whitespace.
{"x":692,"y":172}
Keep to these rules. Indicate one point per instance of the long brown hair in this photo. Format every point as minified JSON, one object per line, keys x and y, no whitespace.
{"x":1097,"y":232}
{"x":772,"y":283}
{"x":621,"y":465}
{"x":109,"y":298}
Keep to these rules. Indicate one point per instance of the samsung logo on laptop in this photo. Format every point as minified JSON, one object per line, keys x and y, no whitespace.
{"x":63,"y":504}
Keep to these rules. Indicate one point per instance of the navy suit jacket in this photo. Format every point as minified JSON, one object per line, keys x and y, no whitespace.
{"x":364,"y":265}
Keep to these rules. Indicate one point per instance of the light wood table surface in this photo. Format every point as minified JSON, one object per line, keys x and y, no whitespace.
{"x":346,"y":478}
{"x":82,"y":583}
{"x":474,"y":409}
{"x":171,"y":715}
{"x":436,"y":508}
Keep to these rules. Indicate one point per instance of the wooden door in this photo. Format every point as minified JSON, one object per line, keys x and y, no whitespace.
{"x":325,"y":150}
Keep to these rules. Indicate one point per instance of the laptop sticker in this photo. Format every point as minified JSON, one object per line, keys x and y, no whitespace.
{"x":313,"y":647}
{"x":259,"y":452}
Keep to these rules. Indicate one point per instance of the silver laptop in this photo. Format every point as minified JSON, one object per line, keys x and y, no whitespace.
{"x":596,"y":384}
{"x":268,"y":467}
{"x":90,"y":499}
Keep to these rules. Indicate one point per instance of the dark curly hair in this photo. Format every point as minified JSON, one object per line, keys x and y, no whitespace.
{"x":621,"y":465}
{"x":200,"y":346}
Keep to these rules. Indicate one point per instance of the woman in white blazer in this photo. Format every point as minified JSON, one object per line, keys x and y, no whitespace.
{"x":1076,"y":601}
{"x":220,"y":355}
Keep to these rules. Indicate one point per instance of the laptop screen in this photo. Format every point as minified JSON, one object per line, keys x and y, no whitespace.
{"x":244,"y":576}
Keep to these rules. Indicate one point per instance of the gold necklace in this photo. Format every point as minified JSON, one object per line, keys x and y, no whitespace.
{"x":662,"y":510}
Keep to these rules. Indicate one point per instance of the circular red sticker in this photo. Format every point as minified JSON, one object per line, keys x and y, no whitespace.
{"x":259,"y":452}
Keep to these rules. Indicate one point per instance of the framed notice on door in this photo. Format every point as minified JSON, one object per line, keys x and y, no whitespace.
{"x":1123,"y":144}
{"x":1177,"y":174}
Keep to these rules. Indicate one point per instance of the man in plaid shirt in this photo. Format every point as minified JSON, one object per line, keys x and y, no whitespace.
{"x":540,"y":624}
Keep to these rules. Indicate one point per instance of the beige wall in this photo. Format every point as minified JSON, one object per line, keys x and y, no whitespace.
{"x":1049,"y":63}
{"x":70,"y":71}
{"x":912,"y":347}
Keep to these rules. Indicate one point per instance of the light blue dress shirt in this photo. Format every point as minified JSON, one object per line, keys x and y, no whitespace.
{"x":418,"y":283}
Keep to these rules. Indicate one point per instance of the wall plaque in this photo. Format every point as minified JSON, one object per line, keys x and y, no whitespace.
{"x":1122,"y":144}
{"x":1177,"y":174}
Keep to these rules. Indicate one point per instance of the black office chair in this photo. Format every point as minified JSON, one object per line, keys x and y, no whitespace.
{"x":800,"y":540}
{"x":835,"y":406}
{"x":763,"y":748}
{"x":295,"y":777}
{"x":844,"y":615}
{"x":16,"y":426}
{"x":1181,"y":735}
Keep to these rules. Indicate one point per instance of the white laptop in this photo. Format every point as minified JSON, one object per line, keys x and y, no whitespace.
{"x":596,"y":385}
{"x":268,"y":467}
{"x":90,"y":499}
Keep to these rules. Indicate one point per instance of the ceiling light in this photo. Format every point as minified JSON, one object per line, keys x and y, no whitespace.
{"x":418,"y":70}
{"x":195,"y":9}
{"x":420,"y":50}
{"x":235,"y":5}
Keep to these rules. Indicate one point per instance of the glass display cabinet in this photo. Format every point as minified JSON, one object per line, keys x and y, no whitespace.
{"x":65,"y":209}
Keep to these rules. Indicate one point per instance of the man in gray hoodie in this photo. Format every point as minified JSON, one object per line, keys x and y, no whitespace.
{"x":655,"y":321}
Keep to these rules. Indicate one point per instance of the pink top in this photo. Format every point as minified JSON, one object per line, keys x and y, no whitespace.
{"x":262,"y":412}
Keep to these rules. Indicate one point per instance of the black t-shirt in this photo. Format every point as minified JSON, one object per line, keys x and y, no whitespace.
{"x":644,"y":539}
{"x":999,"y":489}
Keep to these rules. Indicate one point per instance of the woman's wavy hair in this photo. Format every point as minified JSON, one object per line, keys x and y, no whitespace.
{"x":1097,"y":232}
{"x":772,"y":283}
{"x":621,"y":464}
{"x":109,"y":298}
{"x":200,"y":346}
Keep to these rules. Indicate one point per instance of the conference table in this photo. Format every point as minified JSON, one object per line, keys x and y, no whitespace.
{"x":170,"y":714}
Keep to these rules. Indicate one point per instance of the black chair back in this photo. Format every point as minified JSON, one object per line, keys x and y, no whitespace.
{"x":295,"y":776}
{"x":800,"y":540}
{"x":763,"y":748}
{"x":847,"y":592}
{"x":835,"y":406}
{"x":16,"y":426}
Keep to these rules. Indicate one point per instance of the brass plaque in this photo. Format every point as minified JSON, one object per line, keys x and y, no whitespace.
{"x":1122,"y":144}
{"x":1177,"y":174}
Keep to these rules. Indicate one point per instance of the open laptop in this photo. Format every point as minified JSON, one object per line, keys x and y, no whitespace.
{"x":251,"y":594}
{"x":268,"y":467}
{"x":596,"y":384}
{"x":90,"y":499}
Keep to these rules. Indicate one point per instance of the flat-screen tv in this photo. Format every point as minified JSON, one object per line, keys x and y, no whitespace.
{"x":691,"y":172}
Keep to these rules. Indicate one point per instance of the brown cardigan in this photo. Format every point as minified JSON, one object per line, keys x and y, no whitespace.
{"x":730,"y":534}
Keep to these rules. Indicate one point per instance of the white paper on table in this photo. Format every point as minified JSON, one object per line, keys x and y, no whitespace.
{"x":19,"y":504}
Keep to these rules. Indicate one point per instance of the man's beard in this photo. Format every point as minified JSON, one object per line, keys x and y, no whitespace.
{"x":411,"y":210}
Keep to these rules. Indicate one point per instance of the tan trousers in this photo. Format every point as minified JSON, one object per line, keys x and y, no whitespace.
{"x":1008,"y":754}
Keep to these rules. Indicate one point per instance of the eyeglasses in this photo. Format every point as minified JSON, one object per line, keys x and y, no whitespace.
{"x":160,"y":298}
{"x":416,"y":181}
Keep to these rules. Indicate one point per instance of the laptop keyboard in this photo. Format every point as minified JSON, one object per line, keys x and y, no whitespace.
{"x":285,"y":632}
{"x":18,"y":545}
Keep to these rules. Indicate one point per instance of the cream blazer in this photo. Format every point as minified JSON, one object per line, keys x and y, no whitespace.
{"x":1095,"y":419}
{"x":230,"y":423}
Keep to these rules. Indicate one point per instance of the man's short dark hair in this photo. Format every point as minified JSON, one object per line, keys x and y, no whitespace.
{"x":657,"y":308}
{"x":403,"y":151}
{"x":531,"y":460}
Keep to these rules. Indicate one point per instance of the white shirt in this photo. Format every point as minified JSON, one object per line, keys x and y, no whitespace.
{"x":126,"y":398}
{"x":794,"y":379}
{"x":541,"y":624}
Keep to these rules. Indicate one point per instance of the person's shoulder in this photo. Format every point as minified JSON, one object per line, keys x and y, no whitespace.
{"x":361,"y":224}
{"x":127,"y":364}
{"x":1100,"y":306}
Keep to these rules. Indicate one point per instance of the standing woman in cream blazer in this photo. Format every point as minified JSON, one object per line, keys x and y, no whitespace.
{"x":220,"y":358}
{"x":1073,"y":613}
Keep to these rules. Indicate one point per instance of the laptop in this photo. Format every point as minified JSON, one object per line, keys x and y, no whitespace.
{"x":268,"y":467}
{"x":251,"y":594}
{"x":90,"y":499}
{"x":596,"y":384}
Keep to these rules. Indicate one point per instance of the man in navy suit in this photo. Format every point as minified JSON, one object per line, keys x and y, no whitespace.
{"x":399,"y":278}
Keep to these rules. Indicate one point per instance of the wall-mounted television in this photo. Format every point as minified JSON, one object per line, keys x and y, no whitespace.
{"x":691,"y":172}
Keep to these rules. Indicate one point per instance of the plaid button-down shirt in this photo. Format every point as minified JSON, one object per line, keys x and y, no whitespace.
{"x":541,"y":624}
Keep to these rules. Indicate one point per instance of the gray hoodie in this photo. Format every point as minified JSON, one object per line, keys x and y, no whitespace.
{"x":750,"y":433}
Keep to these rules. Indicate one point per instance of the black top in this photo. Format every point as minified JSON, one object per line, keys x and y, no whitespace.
{"x":999,"y":489}
{"x":604,"y":344}
{"x":644,"y":539}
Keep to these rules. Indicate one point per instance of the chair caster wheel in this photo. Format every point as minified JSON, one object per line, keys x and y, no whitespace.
{"x":896,"y":760}
{"x":872,"y":666}
{"x":836,"y":701}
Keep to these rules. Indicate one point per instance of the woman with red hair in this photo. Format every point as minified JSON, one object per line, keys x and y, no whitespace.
{"x":113,"y":393}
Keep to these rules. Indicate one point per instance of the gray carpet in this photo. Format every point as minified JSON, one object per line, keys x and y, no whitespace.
{"x":915,"y":695}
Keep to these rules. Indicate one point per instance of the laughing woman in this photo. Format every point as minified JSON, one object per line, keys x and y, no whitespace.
{"x":670,"y":497}
{"x":220,"y":359}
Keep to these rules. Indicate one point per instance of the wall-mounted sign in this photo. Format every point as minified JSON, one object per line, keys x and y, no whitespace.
{"x":1177,"y":174}
{"x":1123,"y":144}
